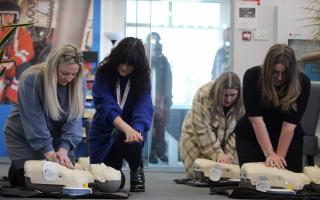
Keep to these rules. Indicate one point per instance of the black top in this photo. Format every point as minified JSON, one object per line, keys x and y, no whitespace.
{"x":272,"y":116}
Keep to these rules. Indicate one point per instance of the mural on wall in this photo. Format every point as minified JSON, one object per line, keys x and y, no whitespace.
{"x":6,"y":33}
{"x":29,"y":45}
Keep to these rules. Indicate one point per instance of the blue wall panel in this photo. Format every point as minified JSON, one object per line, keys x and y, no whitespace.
{"x":312,"y":69}
{"x":4,"y":112}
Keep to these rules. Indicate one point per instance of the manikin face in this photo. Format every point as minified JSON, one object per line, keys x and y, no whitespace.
{"x":230,"y":96}
{"x":279,"y":77}
{"x":125,"y":69}
{"x":7,"y":18}
{"x":66,"y":73}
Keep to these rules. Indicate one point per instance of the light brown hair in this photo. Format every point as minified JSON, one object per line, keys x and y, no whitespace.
{"x":227,"y":80}
{"x":284,"y":97}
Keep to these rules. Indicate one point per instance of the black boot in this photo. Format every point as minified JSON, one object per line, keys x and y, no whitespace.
{"x":137,"y":180}
{"x":163,"y":157}
{"x":16,"y":176}
{"x":162,"y":152}
{"x":152,"y":158}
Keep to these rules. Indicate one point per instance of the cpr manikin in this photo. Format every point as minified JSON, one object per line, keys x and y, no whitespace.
{"x":215,"y":170}
{"x":106,"y":178}
{"x":260,"y":177}
{"x":53,"y":176}
{"x":83,"y":163}
{"x":313,"y":172}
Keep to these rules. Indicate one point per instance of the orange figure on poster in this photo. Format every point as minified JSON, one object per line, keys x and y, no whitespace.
{"x":17,"y":51}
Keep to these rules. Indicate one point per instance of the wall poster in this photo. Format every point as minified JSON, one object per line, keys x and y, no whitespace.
{"x":29,"y":45}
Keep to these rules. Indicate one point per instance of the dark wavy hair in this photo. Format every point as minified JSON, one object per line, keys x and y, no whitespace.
{"x":129,"y":51}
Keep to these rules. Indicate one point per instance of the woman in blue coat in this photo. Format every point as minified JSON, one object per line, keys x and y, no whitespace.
{"x":122,"y":99}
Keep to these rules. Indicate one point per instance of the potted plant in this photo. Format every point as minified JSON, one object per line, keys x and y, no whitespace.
{"x":314,"y":10}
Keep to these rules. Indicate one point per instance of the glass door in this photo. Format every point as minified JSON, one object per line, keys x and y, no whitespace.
{"x":187,"y":43}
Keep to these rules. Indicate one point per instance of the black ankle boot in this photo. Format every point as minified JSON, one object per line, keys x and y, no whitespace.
{"x":137,"y":180}
{"x":152,"y":158}
{"x":163,"y":157}
{"x":161,"y":151}
{"x":16,"y":176}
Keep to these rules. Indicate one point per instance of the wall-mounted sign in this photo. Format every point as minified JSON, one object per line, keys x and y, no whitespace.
{"x":247,"y":15}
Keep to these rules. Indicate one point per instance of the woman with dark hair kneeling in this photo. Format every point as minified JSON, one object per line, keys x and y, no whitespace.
{"x":122,"y":99}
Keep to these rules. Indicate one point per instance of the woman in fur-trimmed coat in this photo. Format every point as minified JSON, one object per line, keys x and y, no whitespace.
{"x":207,"y":130}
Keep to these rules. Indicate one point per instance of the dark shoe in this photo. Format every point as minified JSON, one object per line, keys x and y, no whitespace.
{"x":163,"y":157}
{"x":16,"y":176}
{"x":153,"y":159}
{"x":137,"y":180}
{"x":161,"y":152}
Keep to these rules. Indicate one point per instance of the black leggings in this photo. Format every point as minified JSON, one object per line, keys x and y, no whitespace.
{"x":249,"y":150}
{"x":121,"y":150}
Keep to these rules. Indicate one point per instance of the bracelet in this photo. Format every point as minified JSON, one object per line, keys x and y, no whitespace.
{"x":268,"y":152}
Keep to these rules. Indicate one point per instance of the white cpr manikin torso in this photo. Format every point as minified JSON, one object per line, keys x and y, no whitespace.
{"x":215,"y":170}
{"x":52,"y":173}
{"x":280,"y":178}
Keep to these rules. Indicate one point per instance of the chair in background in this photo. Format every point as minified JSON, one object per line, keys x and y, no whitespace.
{"x":309,"y":124}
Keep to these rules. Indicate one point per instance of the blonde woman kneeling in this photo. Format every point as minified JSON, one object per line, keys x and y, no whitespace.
{"x":207,"y":130}
{"x":47,"y":121}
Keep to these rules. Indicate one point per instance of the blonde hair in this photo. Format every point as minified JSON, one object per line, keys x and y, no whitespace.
{"x":227,"y":80}
{"x":49,"y":70}
{"x":286,"y":96}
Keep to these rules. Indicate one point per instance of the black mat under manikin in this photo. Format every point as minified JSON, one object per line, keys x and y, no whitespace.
{"x":208,"y":183}
{"x":19,"y":192}
{"x":189,"y":181}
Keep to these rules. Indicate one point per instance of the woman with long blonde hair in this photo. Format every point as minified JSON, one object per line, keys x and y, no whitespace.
{"x":207,"y":130}
{"x":275,"y":97}
{"x":47,"y":121}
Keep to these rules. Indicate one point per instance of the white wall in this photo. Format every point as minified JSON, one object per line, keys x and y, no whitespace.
{"x":281,"y":19}
{"x":112,"y":21}
{"x":73,"y":12}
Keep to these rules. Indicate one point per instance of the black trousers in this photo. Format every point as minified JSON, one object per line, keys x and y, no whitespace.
{"x":121,"y":150}
{"x":249,"y":150}
{"x":160,"y":121}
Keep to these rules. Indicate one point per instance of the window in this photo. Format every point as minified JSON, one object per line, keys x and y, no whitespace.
{"x":191,"y":33}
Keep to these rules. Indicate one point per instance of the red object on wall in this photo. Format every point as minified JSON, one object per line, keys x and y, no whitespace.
{"x":258,"y":1}
{"x":246,"y":35}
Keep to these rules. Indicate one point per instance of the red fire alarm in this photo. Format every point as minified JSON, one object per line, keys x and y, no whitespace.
{"x":246,"y":35}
